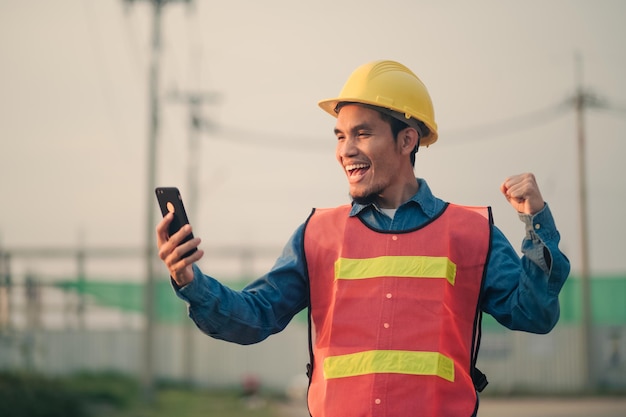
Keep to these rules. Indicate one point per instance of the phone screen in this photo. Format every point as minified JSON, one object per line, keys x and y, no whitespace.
{"x":170,"y":200}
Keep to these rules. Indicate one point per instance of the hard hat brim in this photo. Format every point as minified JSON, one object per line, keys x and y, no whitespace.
{"x":330,"y":106}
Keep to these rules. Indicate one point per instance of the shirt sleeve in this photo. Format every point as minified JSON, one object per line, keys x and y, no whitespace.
{"x":262,"y":308}
{"x":523,"y":293}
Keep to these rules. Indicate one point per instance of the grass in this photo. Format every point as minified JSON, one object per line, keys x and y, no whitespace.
{"x":192,"y":403}
{"x":112,"y":395}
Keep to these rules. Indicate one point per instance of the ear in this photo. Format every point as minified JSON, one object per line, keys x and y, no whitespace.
{"x":407,"y":140}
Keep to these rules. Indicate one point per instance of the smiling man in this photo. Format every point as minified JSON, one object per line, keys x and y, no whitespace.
{"x":374,"y":158}
{"x":395,"y":282}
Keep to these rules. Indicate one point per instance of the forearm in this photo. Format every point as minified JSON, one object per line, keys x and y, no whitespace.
{"x":522,"y":294}
{"x":242,"y":317}
{"x":262,"y":308}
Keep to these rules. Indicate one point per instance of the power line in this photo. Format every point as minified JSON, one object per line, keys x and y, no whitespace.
{"x":273,"y":140}
{"x":511,"y":125}
{"x":501,"y":128}
{"x":312,"y":144}
{"x":613,"y":109}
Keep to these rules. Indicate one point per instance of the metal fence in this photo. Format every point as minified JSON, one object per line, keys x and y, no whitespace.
{"x":66,"y":311}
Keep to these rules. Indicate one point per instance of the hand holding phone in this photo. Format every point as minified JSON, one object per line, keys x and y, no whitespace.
{"x":170,"y":201}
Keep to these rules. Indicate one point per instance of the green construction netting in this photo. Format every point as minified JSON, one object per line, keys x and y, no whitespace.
{"x":608,"y":302}
{"x":608,"y":299}
{"x":129,"y":297}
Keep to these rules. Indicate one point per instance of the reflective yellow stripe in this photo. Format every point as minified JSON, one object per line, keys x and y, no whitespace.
{"x":389,"y":361}
{"x":398,"y":266}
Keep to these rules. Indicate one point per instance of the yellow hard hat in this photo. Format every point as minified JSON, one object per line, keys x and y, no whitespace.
{"x":389,"y":85}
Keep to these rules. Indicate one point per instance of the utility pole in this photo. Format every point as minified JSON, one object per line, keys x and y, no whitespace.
{"x":584,"y":99}
{"x":197,"y":124}
{"x":585,"y":285}
{"x":5,"y":291}
{"x":81,"y":272}
{"x":147,"y":374}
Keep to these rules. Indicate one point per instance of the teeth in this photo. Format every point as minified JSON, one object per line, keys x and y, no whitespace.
{"x":355,"y":166}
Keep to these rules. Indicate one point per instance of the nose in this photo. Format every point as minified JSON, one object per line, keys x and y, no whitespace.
{"x":346,"y":147}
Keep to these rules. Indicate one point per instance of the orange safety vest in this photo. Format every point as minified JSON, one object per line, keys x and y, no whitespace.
{"x":395,"y":317}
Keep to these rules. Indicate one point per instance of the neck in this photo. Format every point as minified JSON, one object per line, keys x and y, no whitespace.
{"x":394,"y":196}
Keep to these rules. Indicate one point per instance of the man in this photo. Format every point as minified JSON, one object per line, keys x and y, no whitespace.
{"x":397,"y":281}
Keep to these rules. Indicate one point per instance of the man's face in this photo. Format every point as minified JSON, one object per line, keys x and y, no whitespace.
{"x":368,"y":153}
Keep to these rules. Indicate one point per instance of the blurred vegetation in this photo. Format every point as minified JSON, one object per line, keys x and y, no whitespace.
{"x":113,"y":395}
{"x":28,"y":395}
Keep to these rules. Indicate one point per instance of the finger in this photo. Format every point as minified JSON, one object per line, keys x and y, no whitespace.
{"x":171,"y":253}
{"x":180,"y":235}
{"x":186,"y":247}
{"x":162,"y":229}
{"x":194,"y":257}
{"x":512,"y":180}
{"x":517,"y":194}
{"x":182,"y":271}
{"x":516,"y":184}
{"x":526,"y":185}
{"x":503,"y":188}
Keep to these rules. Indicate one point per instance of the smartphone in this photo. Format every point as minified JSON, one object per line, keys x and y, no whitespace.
{"x":170,"y":200}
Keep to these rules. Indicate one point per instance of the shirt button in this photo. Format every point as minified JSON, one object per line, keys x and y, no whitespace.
{"x":377,"y":401}
{"x":394,"y":237}
{"x":388,"y":295}
{"x":537,"y":226}
{"x":386,"y":325}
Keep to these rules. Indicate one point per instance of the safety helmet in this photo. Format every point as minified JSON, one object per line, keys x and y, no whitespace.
{"x":388,"y":85}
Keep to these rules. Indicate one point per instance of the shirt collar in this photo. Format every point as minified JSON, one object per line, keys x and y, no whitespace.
{"x":424,"y":198}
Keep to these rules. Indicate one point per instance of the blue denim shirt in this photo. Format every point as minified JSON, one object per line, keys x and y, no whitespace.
{"x":521,"y":294}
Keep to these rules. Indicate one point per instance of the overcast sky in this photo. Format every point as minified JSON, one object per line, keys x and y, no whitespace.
{"x":74,"y":111}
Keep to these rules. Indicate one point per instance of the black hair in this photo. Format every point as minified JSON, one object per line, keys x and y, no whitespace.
{"x":398,"y":126}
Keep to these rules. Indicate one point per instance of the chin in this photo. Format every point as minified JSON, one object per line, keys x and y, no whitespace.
{"x":364,"y":199}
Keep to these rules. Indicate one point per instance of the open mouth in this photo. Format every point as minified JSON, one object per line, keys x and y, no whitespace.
{"x":356,"y":170}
